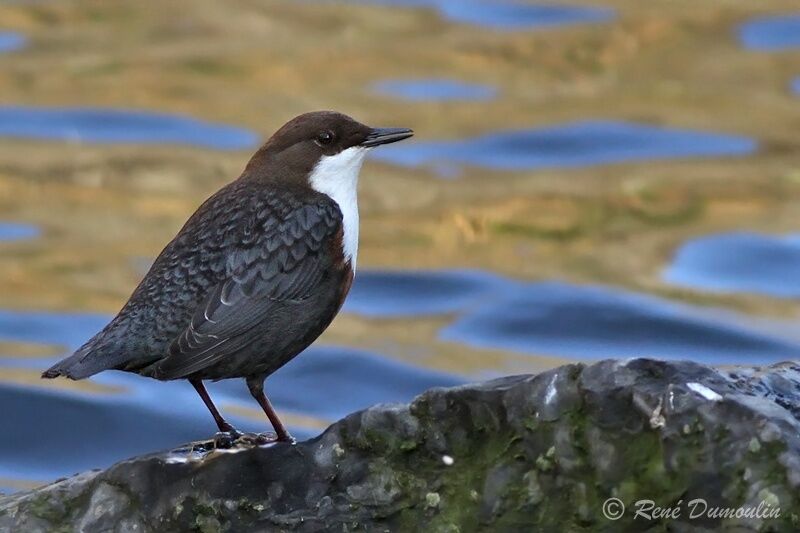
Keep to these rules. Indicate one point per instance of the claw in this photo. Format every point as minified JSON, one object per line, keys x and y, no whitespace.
{"x":288,"y":439}
{"x":226,"y":439}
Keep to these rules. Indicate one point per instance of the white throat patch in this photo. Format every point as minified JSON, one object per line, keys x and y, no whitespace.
{"x":337,"y":176}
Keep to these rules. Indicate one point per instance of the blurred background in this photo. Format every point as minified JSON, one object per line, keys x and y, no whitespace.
{"x":604,"y":178}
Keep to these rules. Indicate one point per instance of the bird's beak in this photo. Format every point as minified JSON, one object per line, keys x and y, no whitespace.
{"x":385,"y":136}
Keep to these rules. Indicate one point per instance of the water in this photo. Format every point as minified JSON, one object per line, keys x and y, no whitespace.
{"x":65,"y":330}
{"x":739,"y":262}
{"x":52,"y":434}
{"x":795,"y":85}
{"x":576,"y":144}
{"x":393,"y":294}
{"x":573,"y":321}
{"x":771,"y":34}
{"x":89,"y":429}
{"x":508,"y":14}
{"x":122,"y":414}
{"x":336,"y":381}
{"x":11,"y":41}
{"x":435,"y":90}
{"x":116,"y":126}
{"x":12,"y":231}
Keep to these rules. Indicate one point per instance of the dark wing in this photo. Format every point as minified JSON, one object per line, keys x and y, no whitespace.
{"x":282,"y":258}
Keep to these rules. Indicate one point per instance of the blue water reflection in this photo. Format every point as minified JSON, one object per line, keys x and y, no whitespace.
{"x":594,"y":322}
{"x":86,"y":429}
{"x":138,"y":415}
{"x":434,"y":90}
{"x":509,"y":14}
{"x":47,"y":434}
{"x":117,"y":126}
{"x":66,"y":330}
{"x":12,"y":231}
{"x":408,"y":293}
{"x":739,"y":262}
{"x":11,"y":41}
{"x":331,"y":382}
{"x":772,"y":33}
{"x":576,"y":144}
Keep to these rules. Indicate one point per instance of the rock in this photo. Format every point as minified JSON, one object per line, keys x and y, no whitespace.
{"x":522,"y":453}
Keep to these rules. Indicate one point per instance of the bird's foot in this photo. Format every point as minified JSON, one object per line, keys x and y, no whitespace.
{"x":260,"y":439}
{"x":286,"y":438}
{"x":227,"y":439}
{"x":232,"y":439}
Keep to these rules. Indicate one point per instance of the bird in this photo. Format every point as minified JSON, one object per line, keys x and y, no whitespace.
{"x":254,"y":276}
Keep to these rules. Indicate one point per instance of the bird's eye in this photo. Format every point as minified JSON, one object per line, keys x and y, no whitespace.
{"x":326,"y":137}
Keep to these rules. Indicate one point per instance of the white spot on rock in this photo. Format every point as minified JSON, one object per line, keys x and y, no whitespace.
{"x":657,"y":419}
{"x":230,"y":450}
{"x":176,"y":459}
{"x":704,"y":391}
{"x":338,"y":450}
{"x":551,"y":390}
{"x":432,"y":499}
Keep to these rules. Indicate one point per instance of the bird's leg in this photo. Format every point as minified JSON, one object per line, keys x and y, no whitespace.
{"x":256,"y":386}
{"x":222,"y":424}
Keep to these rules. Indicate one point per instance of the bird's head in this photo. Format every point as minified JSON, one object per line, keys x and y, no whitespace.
{"x":325,"y":148}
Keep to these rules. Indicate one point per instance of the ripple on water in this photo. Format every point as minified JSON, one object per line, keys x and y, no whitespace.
{"x":330,"y":382}
{"x":575,"y":144}
{"x":399,"y":293}
{"x":12,"y":231}
{"x":107,"y":126}
{"x":772,"y":33}
{"x":68,"y":431}
{"x":739,"y":262}
{"x":68,"y":330}
{"x":508,"y":14}
{"x":48,"y":433}
{"x":434,"y":90}
{"x":595,"y":322}
{"x":10,"y":41}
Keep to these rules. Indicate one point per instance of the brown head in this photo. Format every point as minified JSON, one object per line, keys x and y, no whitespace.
{"x":312,"y":139}
{"x":323,"y":150}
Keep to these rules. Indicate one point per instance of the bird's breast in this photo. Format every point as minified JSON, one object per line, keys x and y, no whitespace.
{"x":337,"y":177}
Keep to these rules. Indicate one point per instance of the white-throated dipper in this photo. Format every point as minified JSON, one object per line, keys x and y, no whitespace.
{"x":255,"y":275}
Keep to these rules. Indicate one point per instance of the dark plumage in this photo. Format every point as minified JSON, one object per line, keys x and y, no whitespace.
{"x":253,"y":277}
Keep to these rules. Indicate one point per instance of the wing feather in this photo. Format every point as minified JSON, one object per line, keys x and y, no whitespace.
{"x":285,"y":264}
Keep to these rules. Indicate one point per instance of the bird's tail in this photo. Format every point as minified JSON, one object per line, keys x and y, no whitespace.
{"x":80,"y":365}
